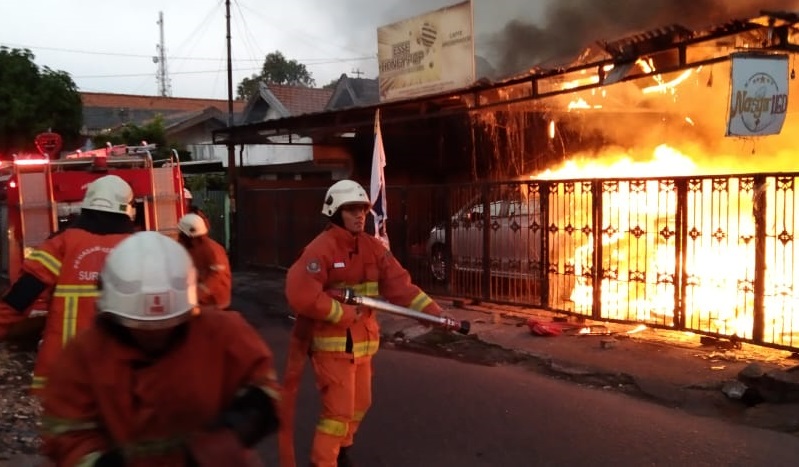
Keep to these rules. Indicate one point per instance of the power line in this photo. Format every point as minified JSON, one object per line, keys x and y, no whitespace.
{"x":305,"y":61}
{"x":195,"y":72}
{"x":309,"y":39}
{"x":248,"y":38}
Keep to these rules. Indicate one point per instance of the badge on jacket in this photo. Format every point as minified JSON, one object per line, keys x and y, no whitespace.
{"x":338,"y":264}
{"x":313,"y":266}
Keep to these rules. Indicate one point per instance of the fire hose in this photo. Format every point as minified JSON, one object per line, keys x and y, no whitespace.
{"x":348,"y":296}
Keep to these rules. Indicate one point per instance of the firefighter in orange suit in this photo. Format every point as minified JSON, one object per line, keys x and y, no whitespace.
{"x":67,"y":265}
{"x":340,"y":338}
{"x":214,"y":280}
{"x":152,"y":383}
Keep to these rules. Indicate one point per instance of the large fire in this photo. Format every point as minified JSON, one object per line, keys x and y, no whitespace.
{"x":640,"y":256}
{"x":639,"y":253}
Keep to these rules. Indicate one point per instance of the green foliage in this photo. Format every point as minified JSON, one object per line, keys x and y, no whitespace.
{"x":153,"y":132}
{"x":206,"y":182}
{"x":332,"y":84}
{"x":33,"y":100}
{"x":276,"y":70}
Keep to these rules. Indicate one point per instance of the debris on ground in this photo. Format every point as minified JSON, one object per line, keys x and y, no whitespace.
{"x":19,"y":411}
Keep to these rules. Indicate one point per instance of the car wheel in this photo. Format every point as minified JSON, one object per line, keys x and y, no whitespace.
{"x":438,"y":263}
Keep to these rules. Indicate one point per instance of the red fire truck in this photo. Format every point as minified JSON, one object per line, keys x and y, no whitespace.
{"x":40,"y":195}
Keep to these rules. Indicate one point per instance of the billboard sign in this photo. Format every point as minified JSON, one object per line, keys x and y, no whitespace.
{"x":758,"y":94}
{"x":427,"y":54}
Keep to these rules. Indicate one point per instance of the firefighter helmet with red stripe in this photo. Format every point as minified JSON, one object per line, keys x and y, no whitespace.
{"x":148,"y":282}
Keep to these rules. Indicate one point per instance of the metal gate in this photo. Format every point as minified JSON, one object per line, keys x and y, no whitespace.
{"x":711,"y":254}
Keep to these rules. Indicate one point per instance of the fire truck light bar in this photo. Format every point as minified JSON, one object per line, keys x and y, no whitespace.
{"x":31,"y":161}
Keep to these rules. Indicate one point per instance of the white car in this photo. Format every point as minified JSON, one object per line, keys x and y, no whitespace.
{"x":514,"y":240}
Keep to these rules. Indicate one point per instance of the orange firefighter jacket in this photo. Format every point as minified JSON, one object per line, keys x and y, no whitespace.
{"x":336,"y":258}
{"x":69,"y":264}
{"x":214,"y":278}
{"x":149,"y":407}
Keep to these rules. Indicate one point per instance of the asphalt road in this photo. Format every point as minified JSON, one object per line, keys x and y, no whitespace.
{"x":435,"y":411}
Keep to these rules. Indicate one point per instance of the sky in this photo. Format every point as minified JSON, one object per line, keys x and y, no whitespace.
{"x":109,"y":46}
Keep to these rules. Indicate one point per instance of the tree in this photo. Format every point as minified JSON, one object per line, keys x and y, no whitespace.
{"x":33,"y":100}
{"x":332,"y":84}
{"x":276,"y":70}
{"x":152,"y":132}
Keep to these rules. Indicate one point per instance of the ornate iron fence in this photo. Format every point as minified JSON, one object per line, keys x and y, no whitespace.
{"x":714,"y":254}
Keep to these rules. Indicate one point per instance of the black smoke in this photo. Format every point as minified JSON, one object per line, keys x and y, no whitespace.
{"x":568,"y":26}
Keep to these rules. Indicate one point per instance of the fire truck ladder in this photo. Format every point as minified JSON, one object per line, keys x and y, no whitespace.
{"x":166,"y":195}
{"x":36,"y":207}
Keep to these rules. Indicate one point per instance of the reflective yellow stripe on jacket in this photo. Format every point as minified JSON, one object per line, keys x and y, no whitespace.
{"x":336,"y":311}
{"x":47,"y":260}
{"x":146,"y":448}
{"x":365,"y":289}
{"x":267,"y":385}
{"x":339,"y":344}
{"x":72,"y":293}
{"x":420,"y":302}
{"x":61,"y":426}
{"x":142,"y":449}
{"x":38,"y":382}
{"x":332,"y":427}
{"x":89,"y":460}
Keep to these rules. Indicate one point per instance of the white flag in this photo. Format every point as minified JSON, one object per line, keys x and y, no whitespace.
{"x":377,"y":186}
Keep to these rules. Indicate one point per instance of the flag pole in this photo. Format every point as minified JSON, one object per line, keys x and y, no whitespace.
{"x":377,"y":185}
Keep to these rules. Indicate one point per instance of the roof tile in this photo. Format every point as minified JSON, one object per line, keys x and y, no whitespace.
{"x":300,"y":100}
{"x":95,"y":99}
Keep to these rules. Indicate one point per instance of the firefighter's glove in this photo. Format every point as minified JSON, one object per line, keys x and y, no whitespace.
{"x":220,"y":447}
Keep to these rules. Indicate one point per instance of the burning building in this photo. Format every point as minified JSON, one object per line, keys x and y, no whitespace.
{"x":644,"y":211}
{"x":605,"y":186}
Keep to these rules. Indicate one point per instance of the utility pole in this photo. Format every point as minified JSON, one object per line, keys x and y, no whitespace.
{"x":357,"y":72}
{"x":164,"y":86}
{"x":231,"y":151}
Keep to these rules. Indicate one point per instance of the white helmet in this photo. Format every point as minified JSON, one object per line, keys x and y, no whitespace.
{"x":109,"y":194}
{"x":341,"y":193}
{"x":148,"y":282}
{"x":193,"y":225}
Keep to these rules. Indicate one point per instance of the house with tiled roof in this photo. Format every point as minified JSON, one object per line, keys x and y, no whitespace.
{"x":190,"y":122}
{"x":353,"y":92}
{"x":280,"y":101}
{"x":274,"y":101}
{"x":105,"y":111}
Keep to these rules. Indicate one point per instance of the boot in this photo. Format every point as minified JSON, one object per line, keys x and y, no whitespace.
{"x":343,"y":459}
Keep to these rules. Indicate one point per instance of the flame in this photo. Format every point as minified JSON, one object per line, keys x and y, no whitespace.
{"x":666,"y":161}
{"x":646,"y":64}
{"x":579,"y":103}
{"x":581,"y":82}
{"x":664,"y":86}
{"x":715,"y":267}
